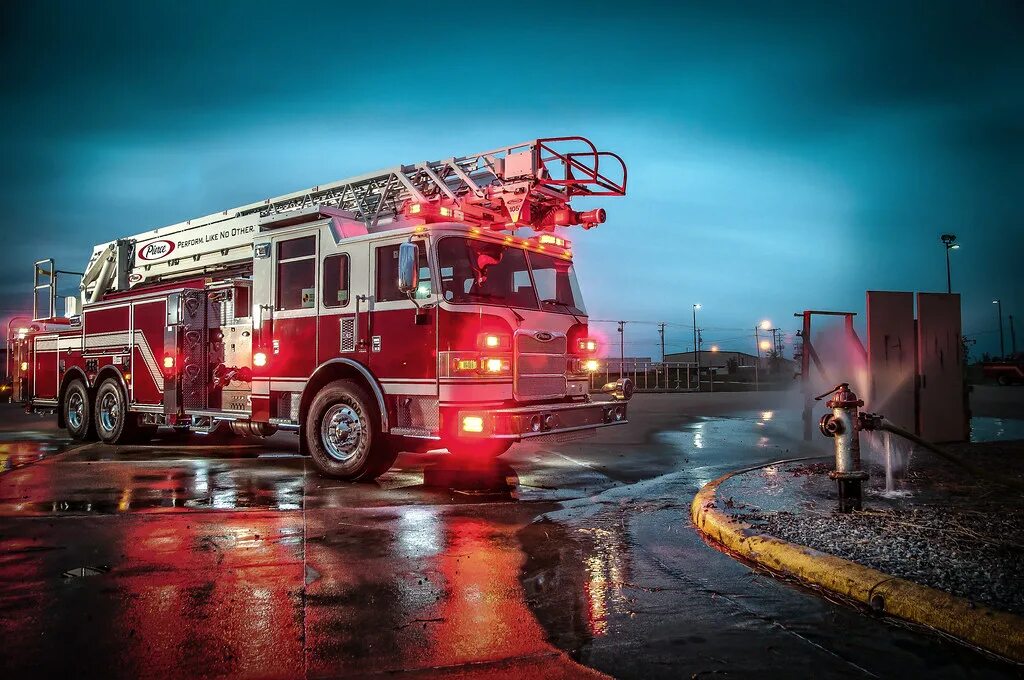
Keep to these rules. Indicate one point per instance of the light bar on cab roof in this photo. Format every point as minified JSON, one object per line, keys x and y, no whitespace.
{"x":551,"y":239}
{"x":433,"y":211}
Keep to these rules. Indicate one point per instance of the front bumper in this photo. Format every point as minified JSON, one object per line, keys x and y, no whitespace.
{"x":524,"y":422}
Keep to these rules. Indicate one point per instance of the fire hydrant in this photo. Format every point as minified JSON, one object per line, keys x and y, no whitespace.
{"x":843,"y":425}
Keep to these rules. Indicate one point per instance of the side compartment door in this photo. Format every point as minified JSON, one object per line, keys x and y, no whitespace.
{"x":147,"y":321}
{"x":343,"y":301}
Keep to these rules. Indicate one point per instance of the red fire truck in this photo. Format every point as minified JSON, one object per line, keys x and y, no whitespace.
{"x":399,"y":310}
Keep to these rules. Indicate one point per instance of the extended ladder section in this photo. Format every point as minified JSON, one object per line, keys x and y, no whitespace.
{"x":525,"y":185}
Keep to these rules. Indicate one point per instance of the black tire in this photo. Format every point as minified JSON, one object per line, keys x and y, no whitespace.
{"x":1004,"y":380}
{"x":354,"y":448}
{"x":482,"y":449}
{"x":76,"y":409}
{"x":114,"y":424}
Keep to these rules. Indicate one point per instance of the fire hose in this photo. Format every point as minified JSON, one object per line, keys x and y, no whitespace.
{"x":956,"y":460}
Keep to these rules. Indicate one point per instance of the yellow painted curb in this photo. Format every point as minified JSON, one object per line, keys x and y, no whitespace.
{"x":996,"y":631}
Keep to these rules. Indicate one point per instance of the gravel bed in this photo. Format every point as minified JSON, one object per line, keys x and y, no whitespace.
{"x":951,"y":531}
{"x":974,"y":554}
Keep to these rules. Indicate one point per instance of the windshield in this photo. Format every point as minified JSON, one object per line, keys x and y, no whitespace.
{"x":475,"y":271}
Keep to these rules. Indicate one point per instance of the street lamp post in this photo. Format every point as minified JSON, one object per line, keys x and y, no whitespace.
{"x":757,"y":361}
{"x":949,"y":240}
{"x":1002,"y":347}
{"x":696,"y":356}
{"x":767,"y":326}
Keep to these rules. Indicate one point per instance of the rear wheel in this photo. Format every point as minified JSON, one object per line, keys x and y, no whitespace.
{"x":77,"y":411}
{"x":114,"y":424}
{"x":342,"y":431}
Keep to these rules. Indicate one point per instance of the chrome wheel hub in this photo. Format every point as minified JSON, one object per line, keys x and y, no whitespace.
{"x":76,"y":410}
{"x":110,"y":411}
{"x":342,"y":432}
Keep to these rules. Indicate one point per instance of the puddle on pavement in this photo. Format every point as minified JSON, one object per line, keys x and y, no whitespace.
{"x":781,"y":431}
{"x":996,"y":429}
{"x":199,"y":487}
{"x":14,"y":454}
{"x":573,"y":581}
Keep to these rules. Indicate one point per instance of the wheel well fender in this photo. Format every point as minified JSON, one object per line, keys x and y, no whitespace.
{"x":339,"y":369}
{"x":110,"y":371}
{"x":72,"y":373}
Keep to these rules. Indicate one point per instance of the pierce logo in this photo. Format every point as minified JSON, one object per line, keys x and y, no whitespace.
{"x":155,"y":250}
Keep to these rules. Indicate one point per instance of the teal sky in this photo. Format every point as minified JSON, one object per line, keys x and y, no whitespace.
{"x":782,"y":156}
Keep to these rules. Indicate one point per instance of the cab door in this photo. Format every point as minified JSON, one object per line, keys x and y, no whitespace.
{"x":344,"y":302}
{"x":403,"y":344}
{"x":293,"y":309}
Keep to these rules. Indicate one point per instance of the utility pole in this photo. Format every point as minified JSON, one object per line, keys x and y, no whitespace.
{"x":1013,"y":337}
{"x":1002,"y":346}
{"x":696,"y":350}
{"x":622,"y":349}
{"x":700,"y":344}
{"x":661,"y":332}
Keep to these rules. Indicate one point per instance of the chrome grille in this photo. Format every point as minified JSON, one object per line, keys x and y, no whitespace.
{"x":540,"y":366}
{"x":528,"y":344}
{"x":531,"y":364}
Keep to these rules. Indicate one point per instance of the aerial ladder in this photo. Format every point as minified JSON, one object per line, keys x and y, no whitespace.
{"x":528,"y":185}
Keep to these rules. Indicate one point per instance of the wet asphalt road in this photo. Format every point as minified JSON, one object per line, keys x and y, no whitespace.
{"x":235,"y":558}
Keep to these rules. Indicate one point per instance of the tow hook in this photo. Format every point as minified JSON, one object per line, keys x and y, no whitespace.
{"x":620,"y":390}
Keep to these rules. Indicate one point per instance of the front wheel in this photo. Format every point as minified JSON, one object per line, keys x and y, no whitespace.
{"x":342,"y":431}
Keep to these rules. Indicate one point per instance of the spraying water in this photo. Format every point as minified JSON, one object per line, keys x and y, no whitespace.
{"x":894,"y":454}
{"x":889,"y":482}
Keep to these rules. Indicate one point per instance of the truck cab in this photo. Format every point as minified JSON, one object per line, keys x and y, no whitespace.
{"x":474,"y":340}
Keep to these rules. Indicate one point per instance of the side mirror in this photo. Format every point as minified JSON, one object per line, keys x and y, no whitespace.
{"x":408,"y":267}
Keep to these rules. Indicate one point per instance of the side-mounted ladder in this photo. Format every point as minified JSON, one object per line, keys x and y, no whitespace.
{"x":523,"y":185}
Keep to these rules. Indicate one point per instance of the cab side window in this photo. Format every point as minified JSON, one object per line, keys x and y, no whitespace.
{"x":296,"y":273}
{"x":335,"y":288}
{"x":387,"y":274}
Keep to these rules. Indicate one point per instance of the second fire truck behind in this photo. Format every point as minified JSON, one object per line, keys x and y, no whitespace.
{"x":399,"y":310}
